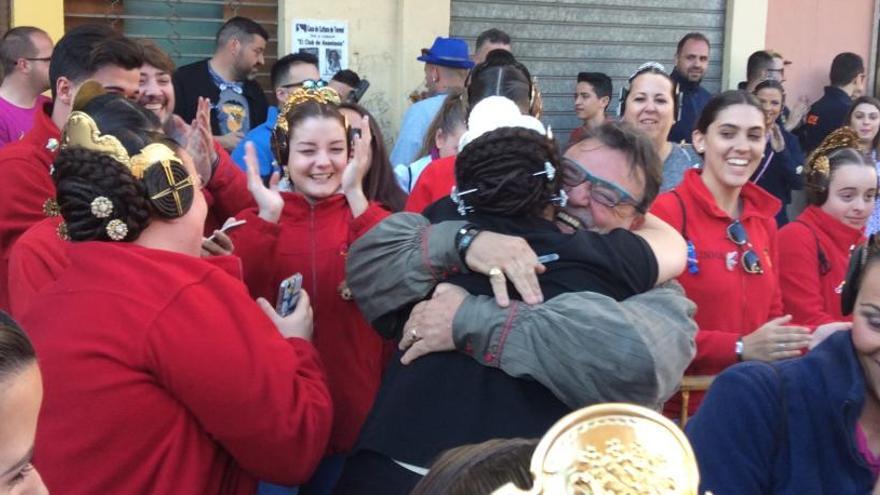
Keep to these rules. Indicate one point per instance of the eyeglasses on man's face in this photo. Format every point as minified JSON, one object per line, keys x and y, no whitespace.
{"x":602,"y":191}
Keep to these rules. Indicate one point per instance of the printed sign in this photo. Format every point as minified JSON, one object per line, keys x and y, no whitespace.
{"x":327,"y":40}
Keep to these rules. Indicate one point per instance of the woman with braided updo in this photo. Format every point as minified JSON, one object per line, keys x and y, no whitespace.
{"x":509,"y":180}
{"x":161,"y":374}
{"x":308,"y":231}
{"x":814,"y":249}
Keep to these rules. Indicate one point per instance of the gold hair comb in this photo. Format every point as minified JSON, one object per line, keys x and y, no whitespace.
{"x":82,"y":132}
{"x":325,"y":95}
{"x":845,"y":137}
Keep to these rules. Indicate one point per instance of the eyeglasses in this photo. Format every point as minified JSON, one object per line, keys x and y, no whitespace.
{"x":751,"y":262}
{"x":307,"y":84}
{"x":602,"y":191}
{"x":38,"y":59}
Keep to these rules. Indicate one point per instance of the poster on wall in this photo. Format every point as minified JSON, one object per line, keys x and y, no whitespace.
{"x":327,"y":40}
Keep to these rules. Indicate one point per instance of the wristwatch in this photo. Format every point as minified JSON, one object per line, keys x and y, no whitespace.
{"x":739,"y":349}
{"x":463,"y":239}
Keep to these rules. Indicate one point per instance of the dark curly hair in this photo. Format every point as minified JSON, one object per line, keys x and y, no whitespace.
{"x":82,"y":175}
{"x":501,"y":166}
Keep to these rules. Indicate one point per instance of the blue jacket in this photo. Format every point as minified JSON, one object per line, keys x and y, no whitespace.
{"x":261,"y":137}
{"x":785,"y":428}
{"x":693,"y":98}
{"x":415,"y":124}
{"x":826,"y":115}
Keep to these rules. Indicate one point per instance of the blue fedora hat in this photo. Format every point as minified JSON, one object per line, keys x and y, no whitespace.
{"x":448,"y":52}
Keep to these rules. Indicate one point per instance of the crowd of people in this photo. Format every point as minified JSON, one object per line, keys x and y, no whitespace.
{"x":205,"y":293}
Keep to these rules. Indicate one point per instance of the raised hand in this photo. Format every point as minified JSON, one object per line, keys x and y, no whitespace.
{"x":357,"y":168}
{"x":268,"y":199}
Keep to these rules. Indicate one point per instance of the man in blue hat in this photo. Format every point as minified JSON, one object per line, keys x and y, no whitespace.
{"x":446,"y":66}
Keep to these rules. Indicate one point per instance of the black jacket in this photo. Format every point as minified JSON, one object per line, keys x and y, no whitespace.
{"x":826,"y":115}
{"x":194,"y":80}
{"x":693,"y":98}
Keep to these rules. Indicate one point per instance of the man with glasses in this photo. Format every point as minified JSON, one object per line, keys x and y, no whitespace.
{"x":584,"y":347}
{"x":288,"y":73}
{"x":25,"y":53}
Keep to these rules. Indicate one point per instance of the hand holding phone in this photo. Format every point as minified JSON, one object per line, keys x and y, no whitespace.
{"x":228,"y":225}
{"x":288,"y":294}
{"x":298,"y":324}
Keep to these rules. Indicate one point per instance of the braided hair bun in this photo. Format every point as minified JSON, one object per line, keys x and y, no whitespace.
{"x":84,"y":173}
{"x":502,"y":165}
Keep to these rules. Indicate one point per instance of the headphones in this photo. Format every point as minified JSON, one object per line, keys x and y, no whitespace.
{"x":652,"y":68}
{"x":857,"y":260}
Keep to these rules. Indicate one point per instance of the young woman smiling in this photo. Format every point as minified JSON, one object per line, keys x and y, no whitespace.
{"x":778,"y":173}
{"x":728,"y":224}
{"x":308,"y":232}
{"x":814,"y":249}
{"x":650,"y":105}
{"x":864,"y":118}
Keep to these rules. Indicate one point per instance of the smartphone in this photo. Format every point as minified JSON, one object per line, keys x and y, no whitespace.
{"x":358,"y":92}
{"x":229,"y":226}
{"x":352,"y":132}
{"x":288,"y":294}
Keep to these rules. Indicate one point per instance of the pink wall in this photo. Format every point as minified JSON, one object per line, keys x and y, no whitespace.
{"x":811,"y":32}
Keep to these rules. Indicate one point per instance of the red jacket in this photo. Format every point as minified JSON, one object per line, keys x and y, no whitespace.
{"x":434,"y":182}
{"x":313,"y":239}
{"x":162,"y":376}
{"x":37,"y":258}
{"x":40,"y":256}
{"x":730,"y":302}
{"x":809,"y":292}
{"x":226,"y":193}
{"x":25,"y":185}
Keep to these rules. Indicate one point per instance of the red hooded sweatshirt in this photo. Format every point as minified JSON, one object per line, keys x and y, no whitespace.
{"x":730,"y":302}
{"x":435,"y":182}
{"x":313,"y":239}
{"x":161,"y":375}
{"x":810,"y":287}
{"x":25,"y":185}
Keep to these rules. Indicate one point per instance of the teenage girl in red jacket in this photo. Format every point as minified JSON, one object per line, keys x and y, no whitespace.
{"x":730,"y":229}
{"x":309,"y":232}
{"x":814,"y":249}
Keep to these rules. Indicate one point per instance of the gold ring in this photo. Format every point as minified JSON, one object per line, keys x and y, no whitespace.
{"x":495,"y":272}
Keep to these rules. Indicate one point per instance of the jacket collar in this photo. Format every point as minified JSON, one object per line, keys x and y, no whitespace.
{"x":756,"y":201}
{"x":298,"y":202}
{"x":837,"y":94}
{"x":683,"y":82}
{"x":843,"y":236}
{"x":44,"y":136}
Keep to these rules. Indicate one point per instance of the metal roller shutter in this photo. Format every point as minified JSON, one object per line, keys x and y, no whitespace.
{"x":184,"y":28}
{"x":557,"y":39}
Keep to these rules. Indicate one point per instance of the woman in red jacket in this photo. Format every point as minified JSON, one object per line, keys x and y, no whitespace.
{"x":814,"y":249}
{"x":308,"y":232}
{"x":161,"y":375}
{"x":728,"y":223}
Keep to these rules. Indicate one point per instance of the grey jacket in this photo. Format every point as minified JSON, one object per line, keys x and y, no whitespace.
{"x":585,"y":347}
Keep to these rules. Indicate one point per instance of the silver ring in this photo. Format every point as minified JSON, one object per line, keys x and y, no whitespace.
{"x":415,"y":336}
{"x":780,"y":346}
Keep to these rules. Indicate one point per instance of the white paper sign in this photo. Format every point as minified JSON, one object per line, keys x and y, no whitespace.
{"x":327,"y":40}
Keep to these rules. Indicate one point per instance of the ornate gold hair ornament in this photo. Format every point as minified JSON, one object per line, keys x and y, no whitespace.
{"x":325,"y":95}
{"x":845,"y":137}
{"x":82,"y":132}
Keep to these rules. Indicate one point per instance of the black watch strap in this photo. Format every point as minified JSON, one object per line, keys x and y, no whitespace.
{"x":463,"y":240}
